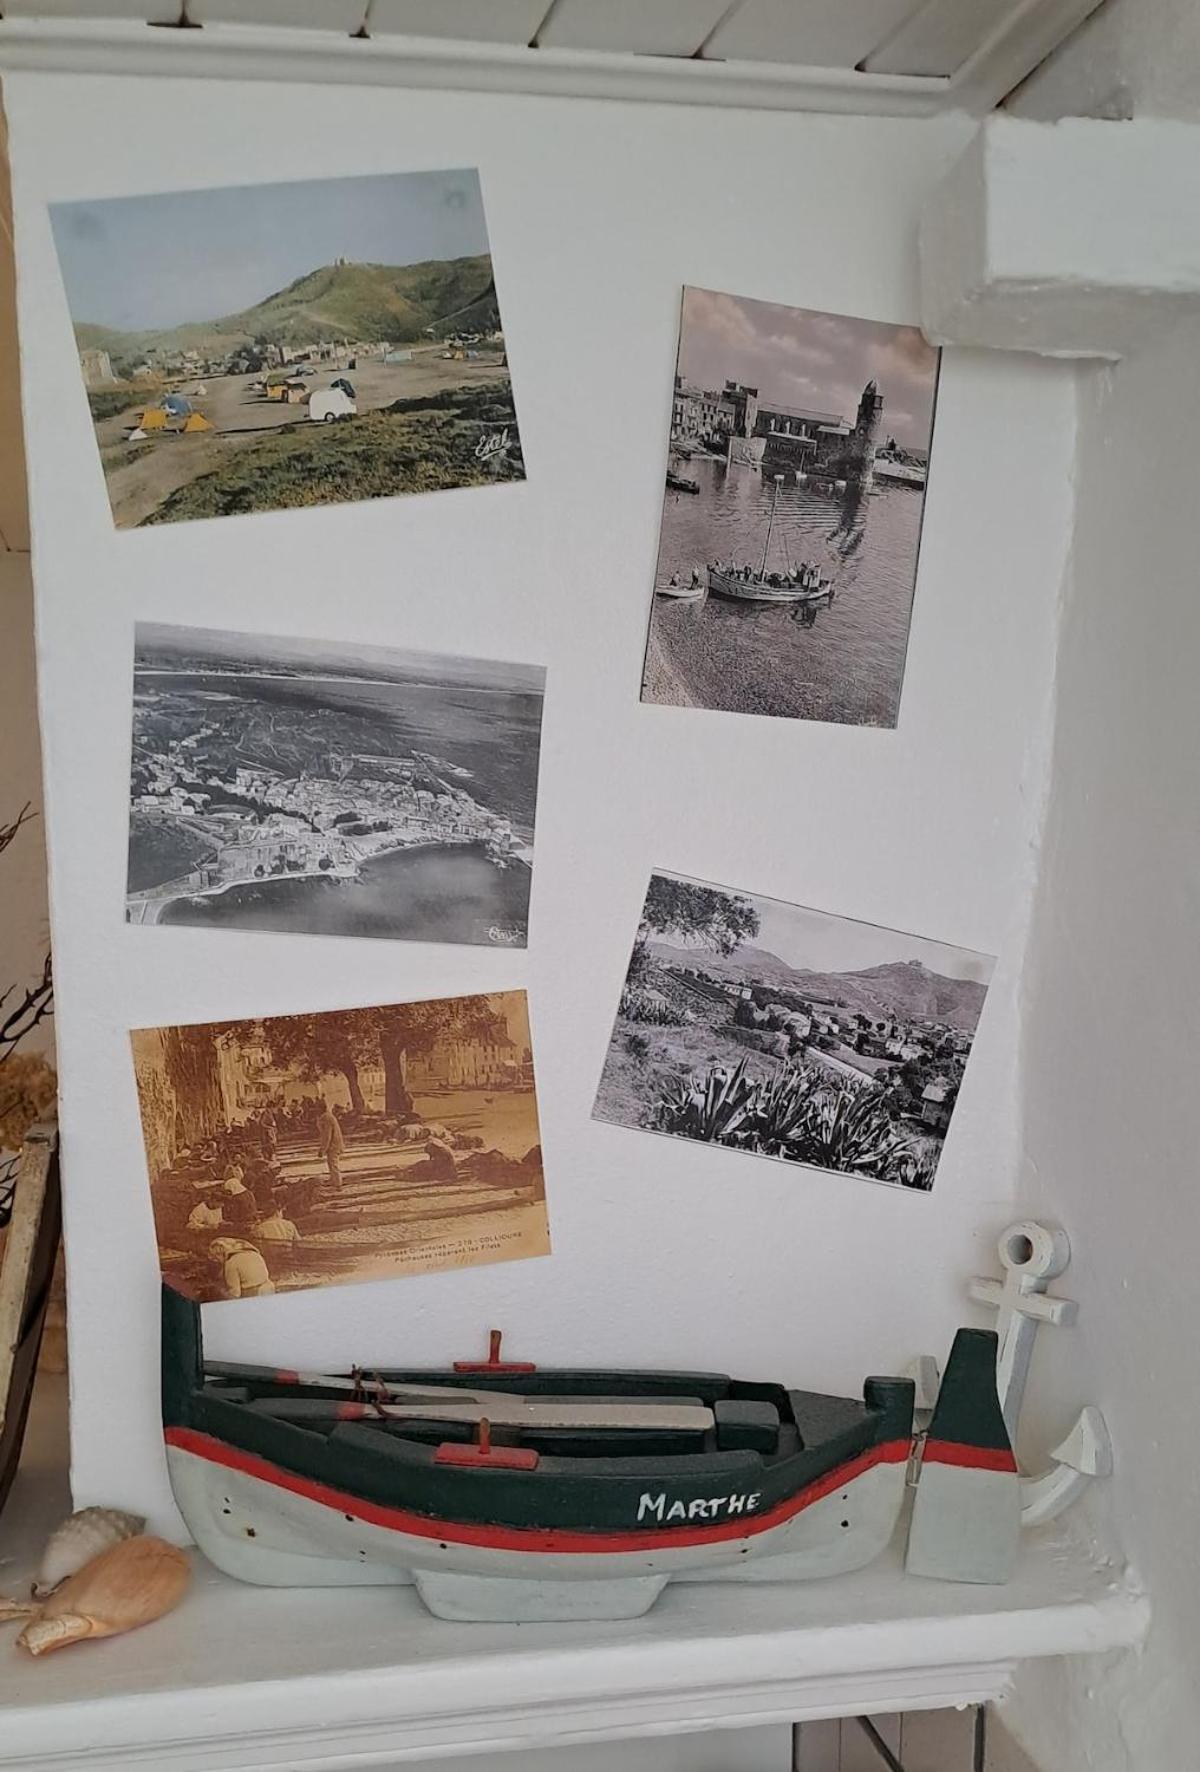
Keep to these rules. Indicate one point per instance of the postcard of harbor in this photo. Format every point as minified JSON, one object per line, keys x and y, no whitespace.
{"x":264,"y":347}
{"x":791,"y":526}
{"x":311,"y":786}
{"x":786,"y":1032}
{"x":358,"y":1144}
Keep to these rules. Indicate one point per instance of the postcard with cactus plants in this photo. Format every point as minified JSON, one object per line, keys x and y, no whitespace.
{"x":264,"y":347}
{"x":790,"y":1033}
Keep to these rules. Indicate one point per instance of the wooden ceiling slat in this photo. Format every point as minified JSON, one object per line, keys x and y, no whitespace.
{"x":807,"y":33}
{"x":152,"y":12}
{"x":475,"y":21}
{"x":939,"y":38}
{"x":631,"y":27}
{"x":345,"y":16}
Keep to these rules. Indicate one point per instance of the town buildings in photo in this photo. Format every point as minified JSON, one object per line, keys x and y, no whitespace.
{"x":265,"y":347}
{"x":358,"y":1144}
{"x":789,"y":1033}
{"x":795,"y":490}
{"x":315,"y":787}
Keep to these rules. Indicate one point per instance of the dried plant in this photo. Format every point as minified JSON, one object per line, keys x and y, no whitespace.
{"x":27,"y":1083}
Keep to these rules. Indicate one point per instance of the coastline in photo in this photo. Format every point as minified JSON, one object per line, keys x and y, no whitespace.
{"x":791,"y":525}
{"x":268,"y":347}
{"x":319,"y":788}
{"x":785,"y":1032}
{"x":294,"y":1151}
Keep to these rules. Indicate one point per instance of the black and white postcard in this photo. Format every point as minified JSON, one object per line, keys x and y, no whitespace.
{"x":266,"y":347}
{"x":791,"y":525}
{"x":789,"y":1033}
{"x":328,"y":789}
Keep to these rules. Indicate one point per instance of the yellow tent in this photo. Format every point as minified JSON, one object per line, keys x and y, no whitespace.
{"x":154,"y":419}
{"x":197,"y":422}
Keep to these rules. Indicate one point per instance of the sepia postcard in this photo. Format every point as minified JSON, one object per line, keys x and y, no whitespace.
{"x":791,"y":526}
{"x":327,"y":789}
{"x":264,"y":347}
{"x":358,"y":1144}
{"x":790,"y":1033}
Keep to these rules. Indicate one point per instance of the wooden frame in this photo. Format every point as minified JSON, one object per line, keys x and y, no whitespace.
{"x":26,"y":1266}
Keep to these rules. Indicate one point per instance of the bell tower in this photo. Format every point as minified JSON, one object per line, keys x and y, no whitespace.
{"x":870,"y":410}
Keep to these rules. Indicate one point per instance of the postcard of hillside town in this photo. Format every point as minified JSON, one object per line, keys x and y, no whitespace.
{"x":316,"y":787}
{"x":293,"y":1151}
{"x":791,"y":1033}
{"x":791,"y":526}
{"x":262,"y":347}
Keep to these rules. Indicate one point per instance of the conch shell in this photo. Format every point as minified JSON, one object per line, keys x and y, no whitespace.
{"x":129,"y":1584}
{"x":78,"y":1540}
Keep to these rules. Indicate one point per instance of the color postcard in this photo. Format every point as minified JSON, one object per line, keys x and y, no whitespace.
{"x":295,"y":1151}
{"x":265,"y":347}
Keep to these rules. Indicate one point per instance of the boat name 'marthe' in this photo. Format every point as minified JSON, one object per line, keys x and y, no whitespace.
{"x":716,"y":1507}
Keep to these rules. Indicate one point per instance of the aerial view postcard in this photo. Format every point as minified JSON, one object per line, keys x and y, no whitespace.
{"x":292,"y":1151}
{"x":316,"y":787}
{"x":789,"y":1033}
{"x":263,"y":347}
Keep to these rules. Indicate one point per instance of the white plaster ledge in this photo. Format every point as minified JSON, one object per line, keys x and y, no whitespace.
{"x":1070,"y":239}
{"x":246,"y":1677}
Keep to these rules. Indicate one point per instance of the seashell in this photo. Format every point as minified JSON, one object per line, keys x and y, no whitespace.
{"x":78,"y":1540}
{"x":129,"y":1584}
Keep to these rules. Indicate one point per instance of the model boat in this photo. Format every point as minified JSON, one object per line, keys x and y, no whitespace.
{"x":508,"y":1491}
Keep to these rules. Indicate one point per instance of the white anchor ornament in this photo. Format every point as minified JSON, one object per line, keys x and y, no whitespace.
{"x":1031,"y":1254}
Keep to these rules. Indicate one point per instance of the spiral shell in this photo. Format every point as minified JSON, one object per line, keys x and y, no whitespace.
{"x":131,"y":1583}
{"x":80,"y":1538}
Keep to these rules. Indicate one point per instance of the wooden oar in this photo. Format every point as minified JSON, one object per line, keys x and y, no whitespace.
{"x":502,"y":1411}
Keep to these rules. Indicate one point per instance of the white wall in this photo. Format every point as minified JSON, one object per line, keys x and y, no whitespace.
{"x":598,"y":213}
{"x":1130,"y":58}
{"x":1113,"y":1036}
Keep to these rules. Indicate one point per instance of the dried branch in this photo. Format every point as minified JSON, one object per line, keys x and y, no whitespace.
{"x":8,"y":1186}
{"x":36,"y":1006}
{"x":9,"y":831}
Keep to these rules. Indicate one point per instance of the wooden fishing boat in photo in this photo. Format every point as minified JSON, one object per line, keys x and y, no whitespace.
{"x":681,"y":483}
{"x":507,"y":1491}
{"x":744,"y":584}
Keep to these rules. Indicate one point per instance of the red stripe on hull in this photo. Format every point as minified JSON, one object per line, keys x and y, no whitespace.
{"x":976,"y":1458}
{"x":532,"y":1538}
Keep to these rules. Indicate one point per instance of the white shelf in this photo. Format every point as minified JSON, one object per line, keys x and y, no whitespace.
{"x":246,"y":1677}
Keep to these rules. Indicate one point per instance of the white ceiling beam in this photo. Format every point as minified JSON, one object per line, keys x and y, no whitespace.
{"x":1063,"y":238}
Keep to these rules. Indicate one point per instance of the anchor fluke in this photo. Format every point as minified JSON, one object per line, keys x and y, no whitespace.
{"x":1085,"y":1453}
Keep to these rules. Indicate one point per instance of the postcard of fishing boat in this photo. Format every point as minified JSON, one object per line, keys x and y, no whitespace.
{"x":785,"y":577}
